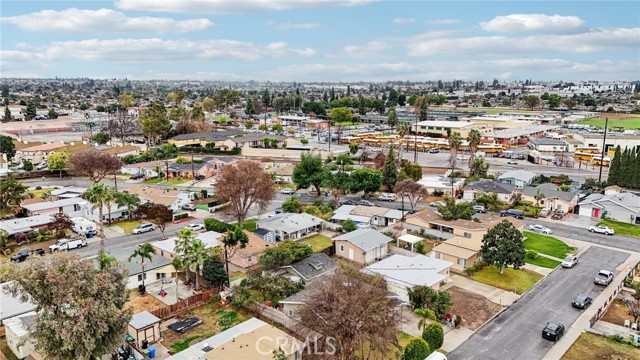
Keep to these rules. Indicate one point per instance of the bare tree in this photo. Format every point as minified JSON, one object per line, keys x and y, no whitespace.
{"x":94,"y":164}
{"x":244,"y":185}
{"x":412,"y":190}
{"x":354,"y":309}
{"x":634,"y":308}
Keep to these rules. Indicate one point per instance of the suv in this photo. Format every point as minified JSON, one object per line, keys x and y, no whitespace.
{"x":518,"y":214}
{"x":21,"y":256}
{"x":601,"y":229}
{"x":479,"y":209}
{"x":189,"y":207}
{"x":604,"y":278}
{"x":137,"y":176}
{"x":199,"y":177}
{"x":581,"y":301}
{"x":143,"y":229}
{"x":434,"y":150}
{"x":387,"y":197}
{"x":553,"y":331}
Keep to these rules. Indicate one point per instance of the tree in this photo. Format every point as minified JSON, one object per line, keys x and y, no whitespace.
{"x":58,"y":161}
{"x":433,"y":334}
{"x":502,"y":246}
{"x":422,"y":296}
{"x":424,"y":314}
{"x":390,"y":170}
{"x":94,"y":164}
{"x":633,"y":305}
{"x":341,"y":115}
{"x":81,"y":313}
{"x":479,"y":168}
{"x":392,"y":118}
{"x":412,"y":190}
{"x":213,"y":271}
{"x":249,"y":109}
{"x":538,"y":196}
{"x":286,"y":253}
{"x":453,"y":211}
{"x":157,"y":214}
{"x":31,"y":111}
{"x":337,"y":183}
{"x":153,"y":122}
{"x":349,"y":226}
{"x":309,"y":171}
{"x":367,"y":180}
{"x":416,"y":349}
{"x":442,"y":304}
{"x":234,"y":239}
{"x":7,"y":113}
{"x":243,"y":185}
{"x":554,"y":101}
{"x":196,"y":255}
{"x":473,"y":138}
{"x":454,"y":144}
{"x":128,"y":200}
{"x":7,"y":147}
{"x":143,"y":251}
{"x":410,"y":170}
{"x":27,"y":165}
{"x":208,"y":104}
{"x":101,"y":138}
{"x":60,"y":223}
{"x":615,"y":169}
{"x":12,"y":193}
{"x":184,"y":238}
{"x":354,"y":309}
{"x":531,"y":101}
{"x":99,"y":195}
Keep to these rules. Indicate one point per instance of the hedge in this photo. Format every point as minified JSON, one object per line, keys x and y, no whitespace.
{"x":180,"y":216}
{"x":201,"y":150}
{"x":212,"y":224}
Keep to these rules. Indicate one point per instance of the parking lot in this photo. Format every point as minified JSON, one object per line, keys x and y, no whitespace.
{"x":516,"y":333}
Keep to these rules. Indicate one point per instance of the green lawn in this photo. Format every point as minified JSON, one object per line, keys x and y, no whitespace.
{"x":154,"y":181}
{"x":517,"y":281}
{"x":543,"y":262}
{"x":38,"y":193}
{"x":127,"y":225}
{"x":628,"y":124}
{"x":622,"y":228}
{"x":591,"y":346}
{"x":176,"y":181}
{"x":318,"y":242}
{"x":545,"y":244}
{"x":250,"y":224}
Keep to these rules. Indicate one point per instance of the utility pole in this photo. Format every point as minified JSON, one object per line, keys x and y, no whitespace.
{"x":604,"y":141}
{"x":415,"y":142}
{"x":329,"y":134}
{"x":193,"y":172}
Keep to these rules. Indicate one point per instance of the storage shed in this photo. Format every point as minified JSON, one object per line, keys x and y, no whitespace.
{"x":144,"y":326}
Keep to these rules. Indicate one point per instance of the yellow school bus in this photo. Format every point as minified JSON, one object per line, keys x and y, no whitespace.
{"x":597,"y":160}
{"x":579,"y":155}
{"x":588,"y":149}
{"x":491,"y":148}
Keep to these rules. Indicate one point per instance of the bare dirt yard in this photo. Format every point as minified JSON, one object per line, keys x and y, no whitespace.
{"x":474,"y":309}
{"x":141,"y":303}
{"x":617,"y":313}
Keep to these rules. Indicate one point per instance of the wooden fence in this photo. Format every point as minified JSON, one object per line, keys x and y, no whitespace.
{"x":195,"y":300}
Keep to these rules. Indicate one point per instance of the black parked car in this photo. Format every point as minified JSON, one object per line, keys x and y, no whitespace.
{"x":518,"y":214}
{"x":199,"y":177}
{"x":553,"y":331}
{"x":21,"y":256}
{"x":581,"y":301}
{"x":137,"y":176}
{"x":347,"y":202}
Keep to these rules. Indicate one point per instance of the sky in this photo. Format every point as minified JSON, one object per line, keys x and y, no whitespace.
{"x":321,"y":40}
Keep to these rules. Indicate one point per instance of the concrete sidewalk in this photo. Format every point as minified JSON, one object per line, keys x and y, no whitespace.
{"x":577,"y":221}
{"x":573,"y":332}
{"x":455,"y":337}
{"x":494,"y":294}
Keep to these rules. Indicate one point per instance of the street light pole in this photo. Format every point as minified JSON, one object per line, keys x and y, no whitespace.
{"x":604,"y":141}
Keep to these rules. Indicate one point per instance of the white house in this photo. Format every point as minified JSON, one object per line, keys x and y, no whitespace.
{"x":291,"y":226}
{"x":518,"y":178}
{"x":547,"y":145}
{"x":173,"y":199}
{"x":624,"y":207}
{"x":166,"y":248}
{"x":18,"y":335}
{"x":403,"y":272}
{"x":23,"y":225}
{"x":362,"y":246}
{"x":4,"y":165}
{"x":441,"y":183}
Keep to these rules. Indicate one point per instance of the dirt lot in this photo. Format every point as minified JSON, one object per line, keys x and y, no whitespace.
{"x":593,"y":347}
{"x":140,"y":303}
{"x":475,"y":309}
{"x":617,"y":313}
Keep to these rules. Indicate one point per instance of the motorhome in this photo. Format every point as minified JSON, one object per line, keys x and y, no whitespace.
{"x":83,"y":226}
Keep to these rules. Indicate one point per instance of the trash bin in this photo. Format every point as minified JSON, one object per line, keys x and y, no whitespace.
{"x":145,"y":343}
{"x":146,"y":352}
{"x":152,"y":352}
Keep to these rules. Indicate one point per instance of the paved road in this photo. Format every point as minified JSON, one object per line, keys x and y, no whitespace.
{"x":582,"y":234}
{"x":517,"y":332}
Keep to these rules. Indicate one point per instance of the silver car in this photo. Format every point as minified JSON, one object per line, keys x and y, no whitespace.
{"x":601,"y":229}
{"x":540,"y":229}
{"x":604,"y":278}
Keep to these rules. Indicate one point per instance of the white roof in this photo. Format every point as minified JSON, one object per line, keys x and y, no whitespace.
{"x":523,"y":175}
{"x":53,"y":204}
{"x":437,"y":181}
{"x":412,"y":239}
{"x":289,"y":223}
{"x":408,"y":271}
{"x":209,"y":239}
{"x":365,"y":239}
{"x":12,"y":306}
{"x":346,"y":209}
{"x":446,"y":124}
{"x":68,"y":189}
{"x":347,"y":216}
{"x":17,"y":225}
{"x":143,"y":319}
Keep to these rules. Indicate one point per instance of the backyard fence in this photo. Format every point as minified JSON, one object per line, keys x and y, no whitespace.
{"x":194,"y":300}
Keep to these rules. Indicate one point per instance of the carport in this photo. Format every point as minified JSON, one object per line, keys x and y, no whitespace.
{"x":408,"y":239}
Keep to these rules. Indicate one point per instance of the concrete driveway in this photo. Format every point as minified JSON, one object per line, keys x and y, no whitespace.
{"x":516,"y":333}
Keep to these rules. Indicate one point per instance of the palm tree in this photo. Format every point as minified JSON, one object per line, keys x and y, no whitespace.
{"x":195,"y":257}
{"x":454,"y":145}
{"x":144,"y":251}
{"x":98,"y":195}
{"x":474,"y":139}
{"x":538,"y":196}
{"x":105,"y":260}
{"x":109,"y":200}
{"x":425,"y":314}
{"x":403,"y":129}
{"x":184,"y":238}
{"x":180,"y":266}
{"x":127,"y":199}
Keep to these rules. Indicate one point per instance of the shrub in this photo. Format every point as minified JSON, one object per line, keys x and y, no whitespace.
{"x":531,"y":254}
{"x":433,"y":334}
{"x":38,"y":187}
{"x":416,"y":349}
{"x":349,"y":226}
{"x":437,"y":193}
{"x":212,"y":224}
{"x":180,"y":216}
{"x":420,"y":248}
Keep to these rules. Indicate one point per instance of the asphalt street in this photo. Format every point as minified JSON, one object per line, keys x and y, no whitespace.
{"x":517,"y":332}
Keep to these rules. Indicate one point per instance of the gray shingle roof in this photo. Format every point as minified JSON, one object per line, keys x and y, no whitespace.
{"x":365,"y":239}
{"x":490,"y":187}
{"x":549,"y":192}
{"x":314,"y":265}
{"x":208,"y":136}
{"x":628,"y":200}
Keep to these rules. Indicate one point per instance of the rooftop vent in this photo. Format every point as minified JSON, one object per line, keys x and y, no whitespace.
{"x":317,"y":266}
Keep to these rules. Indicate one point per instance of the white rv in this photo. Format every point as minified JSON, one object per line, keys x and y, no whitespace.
{"x":83,"y":226}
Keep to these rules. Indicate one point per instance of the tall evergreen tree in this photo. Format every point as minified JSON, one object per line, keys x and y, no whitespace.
{"x":390,"y":170}
{"x":614,"y":169}
{"x":626,"y":167}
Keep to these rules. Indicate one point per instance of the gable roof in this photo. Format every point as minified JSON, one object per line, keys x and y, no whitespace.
{"x":491,"y":187}
{"x":549,"y":192}
{"x":194,"y":166}
{"x":313,"y":266}
{"x":208,"y":136}
{"x":290,"y":222}
{"x":365,"y":239}
{"x":432,"y":217}
{"x":44,"y":205}
{"x":142,"y":320}
{"x":409,"y":271}
{"x":523,"y":175}
{"x":158,"y":196}
{"x":121,"y":149}
{"x":255,"y":245}
{"x":627,"y":200}
{"x":209,"y":238}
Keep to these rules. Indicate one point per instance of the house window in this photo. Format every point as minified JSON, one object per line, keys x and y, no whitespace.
{"x":541,"y":202}
{"x":462,"y":262}
{"x":160,"y":276}
{"x":140,"y":277}
{"x":341,"y":248}
{"x":467,"y":235}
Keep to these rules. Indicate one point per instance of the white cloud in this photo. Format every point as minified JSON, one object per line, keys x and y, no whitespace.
{"x":403,"y":21}
{"x":226,"y":6}
{"x":101,"y":21}
{"x":375,"y":48}
{"x":550,"y":24}
{"x":443,"y":21}
{"x":588,"y":42}
{"x":292,"y":26}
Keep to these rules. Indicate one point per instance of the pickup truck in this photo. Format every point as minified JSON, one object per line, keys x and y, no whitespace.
{"x":21,"y":256}
{"x":68,"y":244}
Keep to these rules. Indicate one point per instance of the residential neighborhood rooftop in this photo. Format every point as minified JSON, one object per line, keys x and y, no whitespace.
{"x":365,"y":239}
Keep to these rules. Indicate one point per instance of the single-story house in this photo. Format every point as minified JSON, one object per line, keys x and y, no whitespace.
{"x":11,"y":305}
{"x":291,"y":226}
{"x":312,"y":266}
{"x":404,"y":272}
{"x":485,"y":187}
{"x":292,"y":304}
{"x":156,"y":269}
{"x":253,"y":339}
{"x":219,"y":162}
{"x":71,"y":206}
{"x":362,"y":246}
{"x":187,"y":171}
{"x":461,"y":251}
{"x":122,"y":151}
{"x":38,"y":153}
{"x":372,"y":215}
{"x":252,"y":140}
{"x":166,"y":248}
{"x":284,"y":173}
{"x":249,"y":255}
{"x":149,"y":169}
{"x":433,"y":182}
{"x":144,"y":326}
{"x":26,"y":224}
{"x":519,"y":178}
{"x":202,"y":139}
{"x":553,"y":198}
{"x":67,"y":192}
{"x":19,"y":337}
{"x":173,"y":199}
{"x":624,"y":207}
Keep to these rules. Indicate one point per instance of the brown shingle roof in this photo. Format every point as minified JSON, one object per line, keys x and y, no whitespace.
{"x":158,"y":196}
{"x":120,"y":149}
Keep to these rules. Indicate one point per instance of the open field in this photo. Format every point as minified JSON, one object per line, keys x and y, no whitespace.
{"x":141,"y":303}
{"x":622,"y":228}
{"x":627,"y":121}
{"x":591,"y":347}
{"x":545,"y":244}
{"x":517,"y":281}
{"x":127,"y":225}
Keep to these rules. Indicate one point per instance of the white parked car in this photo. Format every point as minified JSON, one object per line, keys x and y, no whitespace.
{"x":287,"y":191}
{"x":143,"y":228}
{"x":601,"y":229}
{"x":387,"y":197}
{"x":462,"y":157}
{"x":195,"y":227}
{"x":570,"y":261}
{"x":540,"y":229}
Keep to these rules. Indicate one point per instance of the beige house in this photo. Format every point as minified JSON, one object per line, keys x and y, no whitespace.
{"x":144,"y":326}
{"x":362,"y":246}
{"x":462,"y":252}
{"x":248,"y":256}
{"x":122,"y":151}
{"x":553,"y":198}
